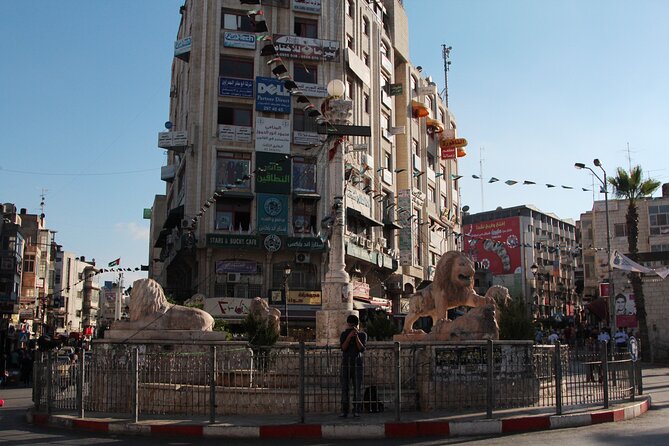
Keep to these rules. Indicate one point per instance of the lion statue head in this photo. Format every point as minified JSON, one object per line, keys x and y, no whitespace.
{"x":147,"y":297}
{"x":454,"y":275}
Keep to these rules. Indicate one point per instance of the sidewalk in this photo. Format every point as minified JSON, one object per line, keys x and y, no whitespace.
{"x":368,"y":426}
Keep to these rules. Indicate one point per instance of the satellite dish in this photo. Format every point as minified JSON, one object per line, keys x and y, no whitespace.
{"x":168,"y":125}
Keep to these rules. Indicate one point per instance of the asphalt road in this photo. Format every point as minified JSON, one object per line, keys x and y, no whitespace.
{"x":651,"y":429}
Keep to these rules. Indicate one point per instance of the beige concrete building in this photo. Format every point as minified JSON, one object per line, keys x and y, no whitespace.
{"x":248,"y":174}
{"x":653,"y":246}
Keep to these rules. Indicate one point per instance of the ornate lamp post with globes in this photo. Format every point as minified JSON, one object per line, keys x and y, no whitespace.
{"x":337,"y":301}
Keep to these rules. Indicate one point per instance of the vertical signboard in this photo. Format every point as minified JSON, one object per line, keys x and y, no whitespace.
{"x":273,"y":173}
{"x":271,"y":95}
{"x":272,"y":214}
{"x":495,"y":243}
{"x":406,"y":234}
{"x":272,"y":135}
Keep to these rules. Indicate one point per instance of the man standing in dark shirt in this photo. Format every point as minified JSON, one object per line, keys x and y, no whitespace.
{"x":352,"y":342}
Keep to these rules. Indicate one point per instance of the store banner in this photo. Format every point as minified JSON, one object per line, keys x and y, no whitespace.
{"x":272,"y":214}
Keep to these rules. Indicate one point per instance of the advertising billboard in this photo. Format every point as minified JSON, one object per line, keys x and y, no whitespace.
{"x":496,"y":244}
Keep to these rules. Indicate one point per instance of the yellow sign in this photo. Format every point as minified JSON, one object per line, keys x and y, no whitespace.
{"x":455,"y":142}
{"x":304,"y":297}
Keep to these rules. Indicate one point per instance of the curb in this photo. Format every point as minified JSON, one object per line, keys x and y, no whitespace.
{"x":411,"y":429}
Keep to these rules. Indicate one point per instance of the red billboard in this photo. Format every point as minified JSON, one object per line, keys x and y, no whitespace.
{"x":495,"y":243}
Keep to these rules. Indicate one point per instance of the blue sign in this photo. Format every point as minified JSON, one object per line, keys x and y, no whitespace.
{"x":241,"y":88}
{"x":271,"y":95}
{"x":272,"y":214}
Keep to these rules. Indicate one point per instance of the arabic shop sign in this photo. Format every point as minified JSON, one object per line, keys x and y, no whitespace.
{"x":272,"y":173}
{"x":309,"y":6}
{"x":272,"y":214}
{"x":239,"y":40}
{"x":240,"y":88}
{"x":272,"y":135}
{"x":236,"y":266}
{"x":271,"y":95}
{"x":306,"y":48}
{"x":232,"y":241}
{"x":304,"y":297}
{"x":305,"y":244}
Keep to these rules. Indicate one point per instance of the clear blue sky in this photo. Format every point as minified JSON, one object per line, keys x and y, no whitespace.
{"x":538,"y":85}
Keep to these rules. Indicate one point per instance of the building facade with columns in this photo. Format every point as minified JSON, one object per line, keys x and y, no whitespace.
{"x":251,"y":177}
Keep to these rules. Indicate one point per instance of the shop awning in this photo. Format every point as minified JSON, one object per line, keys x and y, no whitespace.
{"x":419,"y":109}
{"x":437,"y":125}
{"x":357,"y":213}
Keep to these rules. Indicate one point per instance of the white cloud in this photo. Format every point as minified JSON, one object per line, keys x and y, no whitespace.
{"x":132,"y":229}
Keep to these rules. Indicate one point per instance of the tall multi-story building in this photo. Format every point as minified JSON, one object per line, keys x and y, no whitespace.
{"x":531,"y":252}
{"x":75,"y":300}
{"x":12,"y":244}
{"x":653,"y":247}
{"x":250,"y":172}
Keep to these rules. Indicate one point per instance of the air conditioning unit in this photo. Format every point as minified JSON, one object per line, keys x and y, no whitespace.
{"x":302,"y":257}
{"x":233,"y":277}
{"x":185,"y":223}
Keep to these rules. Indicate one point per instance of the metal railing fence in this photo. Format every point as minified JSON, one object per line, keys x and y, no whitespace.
{"x":211,"y":381}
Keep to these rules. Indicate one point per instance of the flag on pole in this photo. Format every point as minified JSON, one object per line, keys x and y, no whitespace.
{"x":116,"y":262}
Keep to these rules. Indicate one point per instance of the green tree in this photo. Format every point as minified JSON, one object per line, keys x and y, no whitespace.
{"x":631,"y":186}
{"x":515,"y":322}
{"x":380,"y":326}
{"x":262,"y":336}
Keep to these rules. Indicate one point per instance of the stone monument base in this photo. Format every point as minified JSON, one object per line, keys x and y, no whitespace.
{"x":163,"y":335}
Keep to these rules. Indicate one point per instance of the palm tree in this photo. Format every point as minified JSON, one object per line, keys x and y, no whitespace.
{"x":631,"y":186}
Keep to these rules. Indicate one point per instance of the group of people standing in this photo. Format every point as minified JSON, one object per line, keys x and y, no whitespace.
{"x":585,"y":337}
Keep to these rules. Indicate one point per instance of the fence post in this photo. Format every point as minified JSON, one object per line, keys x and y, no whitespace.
{"x":639,"y":376}
{"x":80,"y":383}
{"x":558,"y":378}
{"x":302,"y":383}
{"x":49,"y":382}
{"x":212,"y":385}
{"x":605,"y":372}
{"x":135,"y":384}
{"x":632,"y":376}
{"x":489,"y":384}
{"x":398,"y":382}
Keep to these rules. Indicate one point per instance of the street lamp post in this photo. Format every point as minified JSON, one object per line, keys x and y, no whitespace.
{"x":596,"y":162}
{"x":337,"y":301}
{"x":286,"y":275}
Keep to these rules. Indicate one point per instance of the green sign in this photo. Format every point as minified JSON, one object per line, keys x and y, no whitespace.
{"x":147,"y":214}
{"x":232,"y":241}
{"x":305,"y":244}
{"x":272,"y":173}
{"x":394,"y":89}
{"x":272,"y":214}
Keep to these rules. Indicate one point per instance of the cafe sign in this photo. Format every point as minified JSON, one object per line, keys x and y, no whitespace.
{"x":232,"y":241}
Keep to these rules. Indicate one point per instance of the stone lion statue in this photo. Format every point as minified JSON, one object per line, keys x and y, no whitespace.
{"x":149,"y":310}
{"x":261,"y":310}
{"x":453,"y":287}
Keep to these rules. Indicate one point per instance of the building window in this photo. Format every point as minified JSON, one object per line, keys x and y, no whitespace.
{"x":431,"y":194}
{"x":384,"y":49}
{"x":236,"y":21}
{"x":430,"y":161}
{"x":235,"y":67}
{"x":304,"y":174}
{"x":620,"y":230}
{"x":365,"y":26}
{"x":233,"y":215}
{"x":304,"y":217}
{"x":414,"y":83}
{"x":388,"y":161}
{"x":664,"y":247}
{"x":305,"y":73}
{"x":303,"y":123}
{"x":233,"y":169}
{"x":306,"y":28}
{"x":29,"y":263}
{"x":366,"y":103}
{"x":351,"y":8}
{"x":235,"y":115}
{"x":349,"y":42}
{"x":659,"y":219}
{"x":303,"y":276}
{"x":444,"y":202}
{"x":365,"y":58}
{"x":415,"y":148}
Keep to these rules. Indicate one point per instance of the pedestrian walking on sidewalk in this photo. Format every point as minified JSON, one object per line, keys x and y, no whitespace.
{"x":352,"y":342}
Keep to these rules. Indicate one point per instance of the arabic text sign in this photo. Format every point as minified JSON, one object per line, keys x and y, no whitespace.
{"x":306,"y":48}
{"x":240,"y":88}
{"x":272,"y":135}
